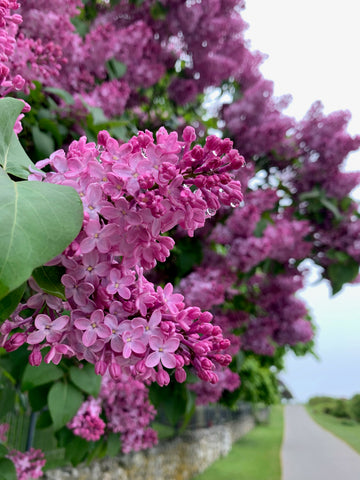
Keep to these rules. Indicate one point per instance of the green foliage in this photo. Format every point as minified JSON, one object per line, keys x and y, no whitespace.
{"x":30,"y":208}
{"x":86,"y":379}
{"x":64,"y":401}
{"x":27,"y":208}
{"x":11,"y":301}
{"x":175,"y":404}
{"x":354,"y":407}
{"x":7,"y":469}
{"x":41,"y":375}
{"x":344,"y":271}
{"x":13,"y":158}
{"x":115,"y":69}
{"x":63,"y":94}
{"x":318,"y":400}
{"x":258,"y":383}
{"x":340,"y":409}
{"x":48,"y":279}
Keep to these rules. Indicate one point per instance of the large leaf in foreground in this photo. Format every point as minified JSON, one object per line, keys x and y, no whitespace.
{"x":38,"y":221}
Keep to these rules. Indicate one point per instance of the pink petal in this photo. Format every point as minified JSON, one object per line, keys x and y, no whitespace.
{"x":171,"y":344}
{"x":137,"y":346}
{"x":52,"y":336}
{"x":42,"y":321}
{"x":117,"y":344}
{"x":155,"y":318}
{"x":168,"y":360}
{"x":82,"y":323}
{"x":156,"y":342}
{"x":87,"y":245}
{"x":124,"y":292}
{"x":126,"y":350}
{"x":103,"y":331}
{"x":153,"y":359}
{"x":36,"y":337}
{"x":89,"y":337}
{"x":60,"y":322}
{"x":97,"y":316}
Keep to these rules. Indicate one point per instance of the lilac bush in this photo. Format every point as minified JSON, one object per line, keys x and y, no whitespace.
{"x":186,"y":260}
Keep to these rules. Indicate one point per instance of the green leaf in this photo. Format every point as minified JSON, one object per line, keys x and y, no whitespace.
{"x":63,"y":94}
{"x":113,"y":444}
{"x":64,"y":401}
{"x":50,"y":126}
{"x":49,"y":280}
{"x":260,"y":227}
{"x":97,"y":115}
{"x":37,"y":397}
{"x":3,"y":450}
{"x":77,"y":450}
{"x":340,"y":273}
{"x":44,"y":144}
{"x":44,"y":373}
{"x":158,"y":11}
{"x":115,"y":68}
{"x":315,"y":193}
{"x":172,"y":400}
{"x":44,"y":420}
{"x":86,"y":379}
{"x":7,"y":469}
{"x":13,"y":158}
{"x":39,"y":220}
{"x":327,"y":203}
{"x":7,"y":397}
{"x":11,"y":301}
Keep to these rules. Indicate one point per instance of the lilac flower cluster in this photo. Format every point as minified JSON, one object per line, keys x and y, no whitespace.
{"x":87,"y":422}
{"x":27,"y":464}
{"x":114,"y":317}
{"x":270,"y":315}
{"x":9,"y":24}
{"x":129,"y":412}
{"x":210,"y":393}
{"x":125,"y":405}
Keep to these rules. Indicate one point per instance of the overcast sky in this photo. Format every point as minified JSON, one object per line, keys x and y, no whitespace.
{"x":313,"y":55}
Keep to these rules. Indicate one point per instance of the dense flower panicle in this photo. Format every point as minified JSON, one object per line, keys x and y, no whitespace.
{"x":287,"y":239}
{"x":9,"y":24}
{"x":132,"y":195}
{"x":128,"y":412}
{"x":87,"y":422}
{"x":256,"y":120}
{"x":210,"y":393}
{"x":28,"y":464}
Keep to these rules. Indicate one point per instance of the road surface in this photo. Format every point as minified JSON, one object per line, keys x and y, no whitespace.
{"x":311,"y":453}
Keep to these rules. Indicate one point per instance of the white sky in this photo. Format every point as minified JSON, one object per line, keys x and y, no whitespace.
{"x":313,"y":55}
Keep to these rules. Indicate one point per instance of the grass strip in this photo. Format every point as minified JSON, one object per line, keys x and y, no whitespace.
{"x":255,"y":456}
{"x":347,"y":430}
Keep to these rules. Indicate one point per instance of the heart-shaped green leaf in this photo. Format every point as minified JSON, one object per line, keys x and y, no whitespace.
{"x":38,"y":221}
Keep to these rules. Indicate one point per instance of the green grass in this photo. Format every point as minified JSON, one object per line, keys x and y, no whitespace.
{"x":347,"y":430}
{"x":255,"y":456}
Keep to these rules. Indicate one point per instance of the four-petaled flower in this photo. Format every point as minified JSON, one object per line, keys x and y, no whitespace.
{"x":132,"y":341}
{"x":119,"y":283}
{"x":163,"y":351}
{"x":47,"y":328}
{"x":94,"y":327}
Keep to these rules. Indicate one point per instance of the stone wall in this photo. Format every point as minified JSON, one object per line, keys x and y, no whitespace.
{"x":180,"y":458}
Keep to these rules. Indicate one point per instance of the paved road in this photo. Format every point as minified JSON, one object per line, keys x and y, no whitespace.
{"x":311,"y":453}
